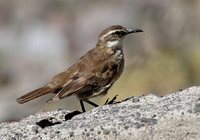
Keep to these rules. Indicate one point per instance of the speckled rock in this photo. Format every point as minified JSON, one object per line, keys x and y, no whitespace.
{"x":176,"y":116}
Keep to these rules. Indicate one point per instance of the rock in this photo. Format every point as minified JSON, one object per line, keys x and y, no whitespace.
{"x":175,"y":116}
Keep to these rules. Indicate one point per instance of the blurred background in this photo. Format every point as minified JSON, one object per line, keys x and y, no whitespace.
{"x":39,"y":39}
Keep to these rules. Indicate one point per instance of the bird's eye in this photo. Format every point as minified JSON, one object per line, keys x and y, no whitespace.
{"x":118,"y":33}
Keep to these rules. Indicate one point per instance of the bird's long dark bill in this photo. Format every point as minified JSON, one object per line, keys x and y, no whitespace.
{"x":135,"y":31}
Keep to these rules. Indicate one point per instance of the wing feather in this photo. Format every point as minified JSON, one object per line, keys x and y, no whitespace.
{"x":86,"y":81}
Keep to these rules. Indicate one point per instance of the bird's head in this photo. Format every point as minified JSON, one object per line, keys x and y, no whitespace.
{"x":115,"y":34}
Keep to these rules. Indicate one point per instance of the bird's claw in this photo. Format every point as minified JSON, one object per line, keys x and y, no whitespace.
{"x":111,"y":101}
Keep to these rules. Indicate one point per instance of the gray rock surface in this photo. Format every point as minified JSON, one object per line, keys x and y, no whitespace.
{"x":175,"y":116}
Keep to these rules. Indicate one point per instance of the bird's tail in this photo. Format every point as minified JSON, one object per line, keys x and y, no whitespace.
{"x":34,"y":94}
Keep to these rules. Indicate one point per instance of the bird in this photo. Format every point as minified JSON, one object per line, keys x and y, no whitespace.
{"x":91,"y":75}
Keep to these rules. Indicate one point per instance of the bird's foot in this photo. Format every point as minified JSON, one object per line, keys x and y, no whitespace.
{"x":111,"y":101}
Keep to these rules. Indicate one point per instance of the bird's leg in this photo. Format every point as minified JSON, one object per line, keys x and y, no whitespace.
{"x":87,"y":101}
{"x":111,"y":101}
{"x":82,"y":106}
{"x":91,"y":103}
{"x":106,"y":101}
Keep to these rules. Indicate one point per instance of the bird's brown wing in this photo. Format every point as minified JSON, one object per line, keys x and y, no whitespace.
{"x":82,"y":85}
{"x":89,"y":75}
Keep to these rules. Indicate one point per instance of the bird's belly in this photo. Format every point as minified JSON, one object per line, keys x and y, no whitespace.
{"x":102,"y":91}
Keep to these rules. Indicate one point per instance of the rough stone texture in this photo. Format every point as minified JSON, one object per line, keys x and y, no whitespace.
{"x":176,"y":116}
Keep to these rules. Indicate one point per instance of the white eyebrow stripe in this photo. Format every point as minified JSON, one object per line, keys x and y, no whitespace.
{"x":108,"y":33}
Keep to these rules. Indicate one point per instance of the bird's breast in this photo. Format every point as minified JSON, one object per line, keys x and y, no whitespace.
{"x":119,"y":54}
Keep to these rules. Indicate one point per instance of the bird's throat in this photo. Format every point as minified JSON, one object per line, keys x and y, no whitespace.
{"x":114,"y":44}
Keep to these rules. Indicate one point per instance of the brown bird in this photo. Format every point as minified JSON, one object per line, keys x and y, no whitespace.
{"x":93,"y":74}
